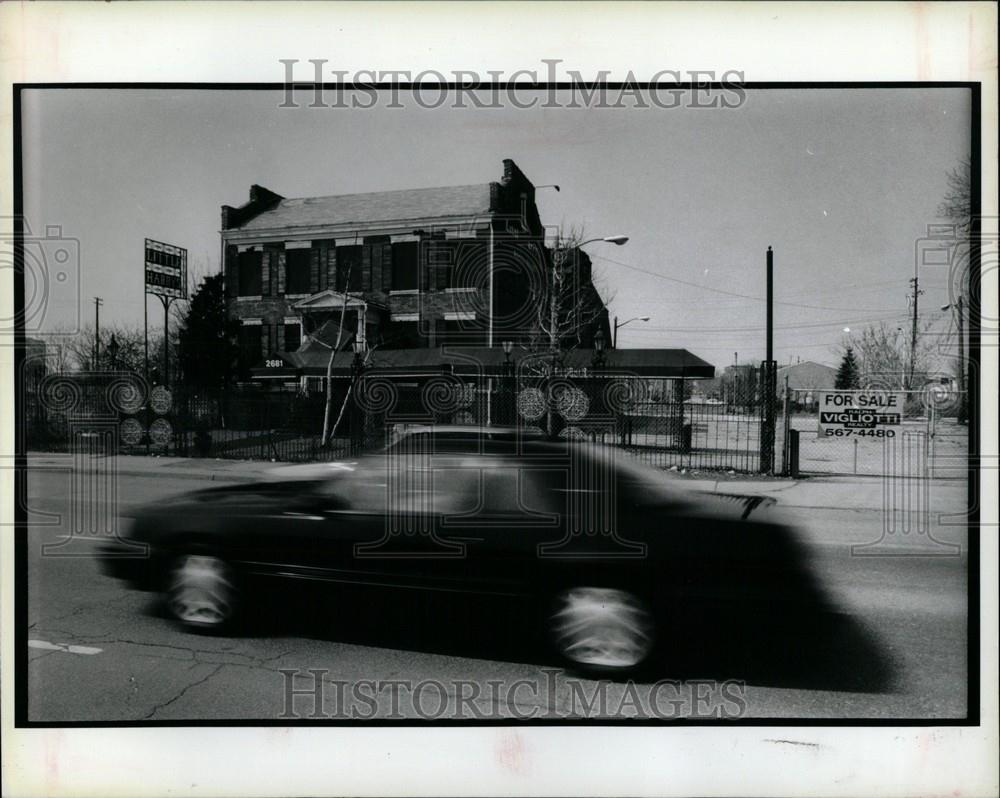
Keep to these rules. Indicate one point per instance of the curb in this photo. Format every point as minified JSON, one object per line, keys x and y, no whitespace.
{"x":199,"y":477}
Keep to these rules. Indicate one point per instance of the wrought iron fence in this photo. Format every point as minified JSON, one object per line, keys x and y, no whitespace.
{"x":665,"y":422}
{"x":240,"y":424}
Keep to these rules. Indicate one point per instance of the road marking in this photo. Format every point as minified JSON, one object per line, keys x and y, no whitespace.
{"x":63,"y":647}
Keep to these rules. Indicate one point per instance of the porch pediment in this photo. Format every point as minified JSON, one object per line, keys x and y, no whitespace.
{"x":330,"y":300}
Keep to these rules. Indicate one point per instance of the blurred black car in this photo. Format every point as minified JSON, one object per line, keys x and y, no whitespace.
{"x":608,"y":552}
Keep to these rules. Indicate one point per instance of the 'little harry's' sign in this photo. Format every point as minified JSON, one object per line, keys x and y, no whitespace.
{"x":870,"y":414}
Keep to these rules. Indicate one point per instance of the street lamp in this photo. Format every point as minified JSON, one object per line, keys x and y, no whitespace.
{"x":956,"y":307}
{"x":616,"y":240}
{"x":614,"y":340}
{"x":599,"y":344}
{"x":508,"y":347}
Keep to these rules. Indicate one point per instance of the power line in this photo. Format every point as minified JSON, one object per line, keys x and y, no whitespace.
{"x":839,"y":290}
{"x":833,"y":323}
{"x":816,"y":326}
{"x":731,"y":293}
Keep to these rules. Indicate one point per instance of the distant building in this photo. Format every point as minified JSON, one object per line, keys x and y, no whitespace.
{"x":806,"y":376}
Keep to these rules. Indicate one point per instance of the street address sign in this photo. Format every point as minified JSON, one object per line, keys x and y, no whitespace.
{"x":865,"y":414}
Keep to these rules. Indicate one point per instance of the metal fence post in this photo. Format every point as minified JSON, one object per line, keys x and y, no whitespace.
{"x":768,"y":386}
{"x":793,"y":454}
{"x":786,"y":424}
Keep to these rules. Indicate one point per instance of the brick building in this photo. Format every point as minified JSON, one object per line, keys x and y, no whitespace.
{"x":411,"y":269}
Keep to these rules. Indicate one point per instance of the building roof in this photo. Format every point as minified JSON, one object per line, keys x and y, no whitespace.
{"x":313,"y":359}
{"x":806,"y":365}
{"x":379,"y":206}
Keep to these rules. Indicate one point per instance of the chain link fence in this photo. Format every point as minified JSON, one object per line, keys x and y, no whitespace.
{"x":928,"y":441}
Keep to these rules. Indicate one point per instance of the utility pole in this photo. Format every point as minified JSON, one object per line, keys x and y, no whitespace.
{"x":957,"y":308}
{"x":770,"y":306}
{"x":961,"y":364}
{"x":97,"y":329}
{"x":913,"y":332}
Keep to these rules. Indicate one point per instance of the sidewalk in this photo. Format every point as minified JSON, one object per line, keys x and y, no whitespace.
{"x":193,"y":468}
{"x":834,"y":492}
{"x":843,"y":492}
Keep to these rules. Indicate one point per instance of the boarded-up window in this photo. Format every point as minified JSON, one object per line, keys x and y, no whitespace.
{"x":349,"y":277}
{"x":470,"y":265}
{"x":249,"y":342}
{"x":404,"y":266}
{"x":250,"y":282}
{"x":441,"y":260}
{"x":298,"y":271}
{"x":386,"y":267}
{"x":293,"y":337}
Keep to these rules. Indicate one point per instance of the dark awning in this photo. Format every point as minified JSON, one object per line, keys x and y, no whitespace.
{"x":312,"y":362}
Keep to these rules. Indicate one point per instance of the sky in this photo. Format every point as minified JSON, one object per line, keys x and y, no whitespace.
{"x":841,"y":183}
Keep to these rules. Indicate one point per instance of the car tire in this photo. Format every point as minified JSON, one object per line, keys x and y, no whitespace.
{"x":202,"y":592}
{"x":601,"y":630}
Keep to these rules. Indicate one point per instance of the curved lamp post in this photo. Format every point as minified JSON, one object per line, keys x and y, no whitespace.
{"x":614,"y":339}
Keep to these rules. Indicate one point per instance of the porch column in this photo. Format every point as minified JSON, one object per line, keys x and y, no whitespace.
{"x":361,"y":332}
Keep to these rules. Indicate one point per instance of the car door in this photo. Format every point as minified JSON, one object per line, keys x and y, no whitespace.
{"x":501,"y":522}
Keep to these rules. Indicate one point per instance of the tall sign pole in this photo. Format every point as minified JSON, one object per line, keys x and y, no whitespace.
{"x":166,"y":278}
{"x":166,"y":339}
{"x":769,"y":376}
{"x":145,"y":333}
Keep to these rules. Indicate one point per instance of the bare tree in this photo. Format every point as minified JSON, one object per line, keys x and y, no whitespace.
{"x":68,"y":351}
{"x":956,"y":206}
{"x":59,"y":349}
{"x":328,"y":430}
{"x":566,"y":308}
{"x":883,"y":354}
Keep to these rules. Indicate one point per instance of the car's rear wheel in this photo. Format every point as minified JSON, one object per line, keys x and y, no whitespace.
{"x":602,"y":629}
{"x":202,"y":593}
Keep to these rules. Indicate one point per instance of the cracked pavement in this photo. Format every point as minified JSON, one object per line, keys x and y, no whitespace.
{"x":912,"y":610}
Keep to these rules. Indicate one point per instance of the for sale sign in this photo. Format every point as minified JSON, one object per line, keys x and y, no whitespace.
{"x":872,"y":414}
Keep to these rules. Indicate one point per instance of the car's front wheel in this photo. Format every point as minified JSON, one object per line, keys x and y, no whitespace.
{"x":602,"y":629}
{"x":202,"y":592}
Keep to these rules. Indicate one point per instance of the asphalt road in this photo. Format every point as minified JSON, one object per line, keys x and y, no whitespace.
{"x":101,"y":652}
